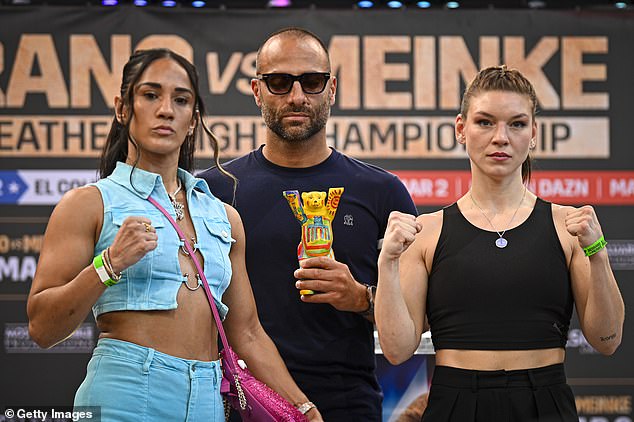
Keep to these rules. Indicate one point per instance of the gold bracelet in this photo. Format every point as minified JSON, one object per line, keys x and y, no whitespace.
{"x":108,"y":265}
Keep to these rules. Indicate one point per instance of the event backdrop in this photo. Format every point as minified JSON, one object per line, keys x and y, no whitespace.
{"x":400,"y":75}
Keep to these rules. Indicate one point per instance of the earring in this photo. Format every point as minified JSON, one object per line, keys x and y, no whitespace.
{"x":532,"y":144}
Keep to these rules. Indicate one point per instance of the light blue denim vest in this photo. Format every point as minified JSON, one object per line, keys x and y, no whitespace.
{"x":153,"y":282}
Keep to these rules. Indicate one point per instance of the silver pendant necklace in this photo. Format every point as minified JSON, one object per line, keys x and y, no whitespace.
{"x":500,"y":242}
{"x":179,"y":208}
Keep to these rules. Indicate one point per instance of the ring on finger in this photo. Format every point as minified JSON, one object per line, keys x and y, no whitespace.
{"x":148,"y":227}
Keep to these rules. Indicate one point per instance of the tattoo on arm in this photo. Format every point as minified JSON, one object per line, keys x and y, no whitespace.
{"x":608,"y":338}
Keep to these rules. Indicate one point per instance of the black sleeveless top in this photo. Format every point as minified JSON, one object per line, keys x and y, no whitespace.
{"x":481,"y":297}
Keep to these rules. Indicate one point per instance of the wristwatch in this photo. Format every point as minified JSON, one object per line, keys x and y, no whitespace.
{"x":370,"y":292}
{"x":305,"y":407}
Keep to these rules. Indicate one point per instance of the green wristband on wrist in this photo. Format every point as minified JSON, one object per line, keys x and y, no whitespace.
{"x":98,"y":263}
{"x":595,"y":247}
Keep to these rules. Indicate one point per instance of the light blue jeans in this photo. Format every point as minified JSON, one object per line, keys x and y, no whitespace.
{"x":133,"y":383}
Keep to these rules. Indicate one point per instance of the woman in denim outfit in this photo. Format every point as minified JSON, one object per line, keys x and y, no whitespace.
{"x":108,"y":248}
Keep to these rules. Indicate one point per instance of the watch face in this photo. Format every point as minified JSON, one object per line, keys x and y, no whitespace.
{"x":370,"y":294}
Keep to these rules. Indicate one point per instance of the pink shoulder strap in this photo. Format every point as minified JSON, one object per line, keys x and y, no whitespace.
{"x":192,"y":255}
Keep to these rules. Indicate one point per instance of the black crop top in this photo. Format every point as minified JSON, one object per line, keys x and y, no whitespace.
{"x":481,"y":297}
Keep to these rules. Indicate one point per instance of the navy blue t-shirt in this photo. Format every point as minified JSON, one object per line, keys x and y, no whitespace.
{"x":327,"y":351}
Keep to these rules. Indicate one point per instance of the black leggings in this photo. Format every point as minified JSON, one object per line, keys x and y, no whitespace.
{"x":528,"y":395}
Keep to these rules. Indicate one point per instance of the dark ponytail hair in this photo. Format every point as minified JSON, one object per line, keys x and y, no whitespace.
{"x":116,"y":148}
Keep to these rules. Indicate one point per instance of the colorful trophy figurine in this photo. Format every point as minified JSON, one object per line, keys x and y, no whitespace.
{"x":315,"y":216}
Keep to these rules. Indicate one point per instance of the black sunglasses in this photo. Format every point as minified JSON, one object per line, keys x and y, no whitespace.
{"x":282,"y":83}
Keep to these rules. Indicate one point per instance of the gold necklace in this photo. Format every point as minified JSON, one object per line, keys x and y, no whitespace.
{"x":500,"y":242}
{"x":179,"y":208}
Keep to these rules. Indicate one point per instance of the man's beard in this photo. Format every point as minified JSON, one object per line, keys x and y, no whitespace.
{"x":299,"y":133}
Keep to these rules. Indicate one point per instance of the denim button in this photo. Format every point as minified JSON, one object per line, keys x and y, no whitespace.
{"x":193,"y":368}
{"x":224,"y":233}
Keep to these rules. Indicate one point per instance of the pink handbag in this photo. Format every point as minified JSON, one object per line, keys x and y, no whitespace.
{"x":254,"y":400}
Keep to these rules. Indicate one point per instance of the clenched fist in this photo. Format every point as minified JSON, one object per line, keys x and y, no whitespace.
{"x":583,"y":223}
{"x":135,"y":238}
{"x":400,"y":233}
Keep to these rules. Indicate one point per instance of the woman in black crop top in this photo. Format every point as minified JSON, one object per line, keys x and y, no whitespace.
{"x":496,"y":275}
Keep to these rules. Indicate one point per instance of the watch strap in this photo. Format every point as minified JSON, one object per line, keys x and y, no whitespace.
{"x":370,"y":291}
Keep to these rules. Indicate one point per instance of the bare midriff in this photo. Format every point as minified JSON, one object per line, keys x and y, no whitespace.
{"x":492,"y":360}
{"x":187,"y":332}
